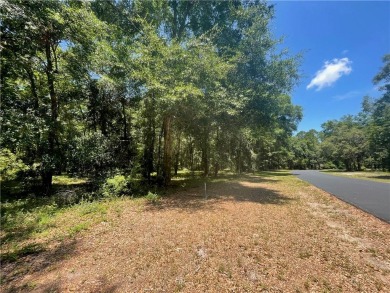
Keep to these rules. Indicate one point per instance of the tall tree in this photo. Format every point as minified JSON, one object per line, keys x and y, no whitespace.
{"x":380,"y":135}
{"x":34,"y":31}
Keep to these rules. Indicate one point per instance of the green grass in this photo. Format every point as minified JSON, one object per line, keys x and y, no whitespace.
{"x":67,"y":180}
{"x":365,"y":175}
{"x":27,"y":223}
{"x":30,"y":222}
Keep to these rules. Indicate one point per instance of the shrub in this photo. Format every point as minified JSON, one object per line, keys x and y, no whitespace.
{"x":152,"y":198}
{"x":329,"y":165}
{"x":116,"y":186}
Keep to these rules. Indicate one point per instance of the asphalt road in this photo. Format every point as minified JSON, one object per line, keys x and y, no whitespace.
{"x":372,"y":197}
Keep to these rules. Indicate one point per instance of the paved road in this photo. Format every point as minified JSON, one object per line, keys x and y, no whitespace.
{"x":372,"y":197}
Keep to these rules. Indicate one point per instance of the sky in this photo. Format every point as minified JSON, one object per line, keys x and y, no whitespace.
{"x":342,"y":43}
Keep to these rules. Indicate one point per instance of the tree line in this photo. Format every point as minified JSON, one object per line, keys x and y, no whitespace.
{"x":144,"y":87}
{"x":147,"y":88}
{"x":353,"y":142}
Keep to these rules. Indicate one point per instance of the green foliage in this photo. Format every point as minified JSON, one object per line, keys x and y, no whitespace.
{"x":10,"y":165}
{"x":145,"y":86}
{"x":152,"y":198}
{"x":78,"y":228}
{"x":118,"y":185}
{"x":90,"y":154}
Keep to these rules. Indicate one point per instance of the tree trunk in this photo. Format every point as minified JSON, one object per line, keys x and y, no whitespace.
{"x":205,"y":152}
{"x":239,"y":158}
{"x":205,"y":160}
{"x":167,"y":160}
{"x":48,"y":169}
{"x":218,"y":152}
{"x":359,"y":164}
{"x":103,"y":115}
{"x":191,"y":151}
{"x":34,"y":93}
{"x":348,"y":165}
{"x":149,"y":140}
{"x":177,"y":154}
{"x":159,"y":159}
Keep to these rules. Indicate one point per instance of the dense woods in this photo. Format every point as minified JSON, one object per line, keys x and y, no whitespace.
{"x":146,"y":88}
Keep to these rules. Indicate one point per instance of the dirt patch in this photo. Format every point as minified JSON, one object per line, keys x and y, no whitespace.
{"x":252,"y":234}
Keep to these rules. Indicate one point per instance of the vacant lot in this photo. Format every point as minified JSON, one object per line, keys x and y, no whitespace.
{"x":269,"y":232}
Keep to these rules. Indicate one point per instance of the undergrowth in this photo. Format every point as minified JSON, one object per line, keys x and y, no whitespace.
{"x":29,"y":221}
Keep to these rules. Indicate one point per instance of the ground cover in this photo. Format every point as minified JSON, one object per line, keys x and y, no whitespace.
{"x":378,"y":176}
{"x":266,"y":232}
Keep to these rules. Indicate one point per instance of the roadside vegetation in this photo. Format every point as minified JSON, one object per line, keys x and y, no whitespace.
{"x":30,"y":222}
{"x":366,"y":175}
{"x":264,"y":231}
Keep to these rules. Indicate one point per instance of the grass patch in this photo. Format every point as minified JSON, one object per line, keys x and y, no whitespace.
{"x":78,"y":228}
{"x":377,"y":176}
{"x":66,"y":180}
{"x":18,"y":251}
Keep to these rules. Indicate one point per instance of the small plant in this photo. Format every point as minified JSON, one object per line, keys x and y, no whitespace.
{"x":152,"y":198}
{"x":78,"y":228}
{"x":115,"y":186}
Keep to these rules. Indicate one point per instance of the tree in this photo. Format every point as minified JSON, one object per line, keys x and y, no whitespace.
{"x":380,"y":135}
{"x":33,"y":31}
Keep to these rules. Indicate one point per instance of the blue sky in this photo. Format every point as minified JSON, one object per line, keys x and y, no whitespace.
{"x":343,"y":43}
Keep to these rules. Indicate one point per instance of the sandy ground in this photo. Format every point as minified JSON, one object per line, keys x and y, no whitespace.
{"x":252,"y":234}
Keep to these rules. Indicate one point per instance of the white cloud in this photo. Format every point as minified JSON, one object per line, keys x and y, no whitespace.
{"x":348,"y":95}
{"x":330,"y":73}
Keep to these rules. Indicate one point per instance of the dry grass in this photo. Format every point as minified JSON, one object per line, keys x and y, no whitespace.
{"x":271,"y":233}
{"x":366,"y":175}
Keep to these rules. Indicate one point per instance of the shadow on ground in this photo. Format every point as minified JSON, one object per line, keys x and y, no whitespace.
{"x":35,"y":263}
{"x":386,"y":177}
{"x":246,"y":188}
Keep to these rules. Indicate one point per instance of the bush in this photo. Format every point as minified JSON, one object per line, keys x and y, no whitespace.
{"x":116,"y":186}
{"x":329,"y":165}
{"x":152,"y":198}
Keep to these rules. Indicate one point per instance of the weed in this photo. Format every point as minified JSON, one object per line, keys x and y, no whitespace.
{"x":78,"y":228}
{"x":18,"y":252}
{"x":152,"y":198}
{"x":92,"y":208}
